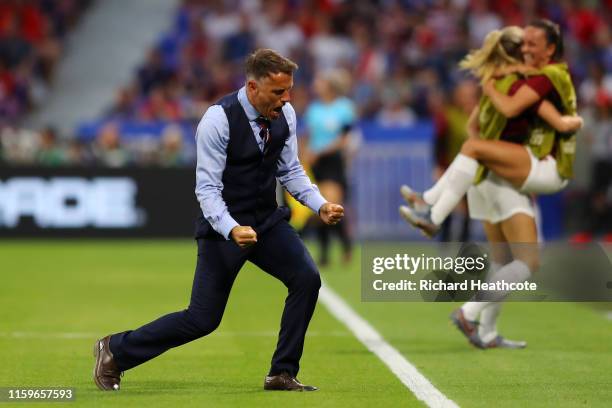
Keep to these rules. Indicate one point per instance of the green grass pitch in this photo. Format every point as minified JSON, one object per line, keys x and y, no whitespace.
{"x":57,"y":297}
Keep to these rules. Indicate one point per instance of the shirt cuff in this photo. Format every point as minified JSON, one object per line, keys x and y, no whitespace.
{"x":225,"y":226}
{"x":316,"y":202}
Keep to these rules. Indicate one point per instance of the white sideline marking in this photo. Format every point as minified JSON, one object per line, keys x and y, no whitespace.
{"x":369,"y":337}
{"x":609,"y":315}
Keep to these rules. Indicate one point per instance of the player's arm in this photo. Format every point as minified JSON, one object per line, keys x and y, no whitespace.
{"x":473,"y":126}
{"x":511,"y":106}
{"x":561,"y":123}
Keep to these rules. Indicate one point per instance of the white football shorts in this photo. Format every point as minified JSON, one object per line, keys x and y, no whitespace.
{"x":495,"y":200}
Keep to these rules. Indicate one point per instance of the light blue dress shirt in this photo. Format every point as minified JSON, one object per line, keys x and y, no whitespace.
{"x":212,"y":137}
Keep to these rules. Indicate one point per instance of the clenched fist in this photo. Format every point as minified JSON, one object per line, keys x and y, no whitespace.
{"x":244,"y":236}
{"x":331,"y":213}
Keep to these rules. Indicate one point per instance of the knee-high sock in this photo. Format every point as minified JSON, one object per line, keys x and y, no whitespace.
{"x":515,"y":271}
{"x":487,"y":329}
{"x":471,"y":310}
{"x":433,"y":193}
{"x":460,"y":178}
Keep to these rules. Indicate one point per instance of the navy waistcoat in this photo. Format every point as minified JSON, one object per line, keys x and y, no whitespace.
{"x":249,"y":177}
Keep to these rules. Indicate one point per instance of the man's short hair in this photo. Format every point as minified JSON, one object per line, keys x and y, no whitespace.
{"x":264,"y":61}
{"x":553,"y":36}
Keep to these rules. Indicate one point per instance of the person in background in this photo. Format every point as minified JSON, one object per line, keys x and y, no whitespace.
{"x":49,"y":153}
{"x":597,"y":221}
{"x":450,"y":121}
{"x":507,"y":211}
{"x":328,"y":122}
{"x":172,"y":152}
{"x":108,"y":149}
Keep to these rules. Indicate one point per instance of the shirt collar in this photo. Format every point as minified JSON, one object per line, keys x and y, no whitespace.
{"x":249,"y":109}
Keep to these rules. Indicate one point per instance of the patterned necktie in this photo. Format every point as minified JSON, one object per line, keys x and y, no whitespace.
{"x":264,"y":132}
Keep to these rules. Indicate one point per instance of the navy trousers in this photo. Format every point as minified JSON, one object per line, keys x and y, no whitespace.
{"x":279,"y":252}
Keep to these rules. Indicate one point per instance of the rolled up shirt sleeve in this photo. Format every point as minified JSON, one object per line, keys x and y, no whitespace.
{"x":290,"y":172}
{"x":212,"y":137}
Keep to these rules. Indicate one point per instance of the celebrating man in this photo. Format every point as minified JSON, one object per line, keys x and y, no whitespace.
{"x":245,"y":142}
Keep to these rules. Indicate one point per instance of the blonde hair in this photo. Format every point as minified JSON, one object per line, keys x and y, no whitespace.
{"x":499,"y":49}
{"x":339,"y":80}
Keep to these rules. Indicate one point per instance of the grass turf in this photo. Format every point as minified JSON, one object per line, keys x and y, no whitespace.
{"x":85,"y":290}
{"x":57,"y":297}
{"x":568,"y":361}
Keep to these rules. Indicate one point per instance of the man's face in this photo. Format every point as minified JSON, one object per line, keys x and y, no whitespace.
{"x":536,"y":51}
{"x":269,"y":94}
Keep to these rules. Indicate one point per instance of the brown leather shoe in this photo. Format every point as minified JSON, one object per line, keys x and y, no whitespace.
{"x":285,"y":382}
{"x":106,"y":374}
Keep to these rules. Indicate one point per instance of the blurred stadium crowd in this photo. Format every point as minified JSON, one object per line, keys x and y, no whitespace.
{"x":32,"y":35}
{"x":402,"y":55}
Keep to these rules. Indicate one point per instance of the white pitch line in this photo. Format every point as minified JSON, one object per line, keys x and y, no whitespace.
{"x":369,"y":337}
{"x":609,"y":315}
{"x":43,"y":335}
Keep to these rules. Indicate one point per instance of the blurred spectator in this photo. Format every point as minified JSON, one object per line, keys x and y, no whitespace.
{"x":19,"y":146}
{"x":124,"y":105}
{"x":49,"y":152}
{"x":274,"y":30}
{"x":153,"y":74}
{"x":450,"y":121}
{"x":410,"y":48}
{"x":596,"y":87}
{"x":481,"y":21}
{"x":108,"y":149}
{"x":221,"y":21}
{"x":11,"y":104}
{"x":160,"y":105}
{"x":597,"y":211}
{"x":31,"y":35}
{"x":402,"y":56}
{"x":172,"y":152}
{"x":370,"y":68}
{"x":14,"y":49}
{"x":394,"y":113}
{"x":330,"y":49}
{"x":78,"y":153}
{"x":239,"y":45}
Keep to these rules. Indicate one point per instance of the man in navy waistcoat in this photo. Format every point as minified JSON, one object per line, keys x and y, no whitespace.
{"x":245,"y":142}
